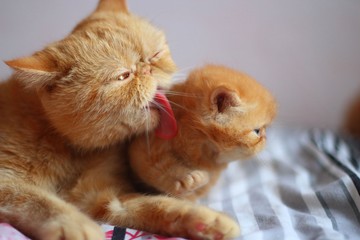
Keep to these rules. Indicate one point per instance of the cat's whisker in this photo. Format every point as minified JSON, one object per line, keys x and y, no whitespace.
{"x":172,"y":91}
{"x":181,"y":94}
{"x":197,"y":126}
{"x":178,"y":78}
{"x":185,"y":69}
{"x":161,"y":107}
{"x":173,"y":103}
{"x":177,"y":93}
{"x":180,"y":106}
{"x":148,"y":119}
{"x":180,"y":74}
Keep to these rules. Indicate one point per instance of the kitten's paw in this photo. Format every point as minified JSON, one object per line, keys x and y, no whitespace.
{"x":191,"y":182}
{"x":204,"y":223}
{"x":72,"y":227}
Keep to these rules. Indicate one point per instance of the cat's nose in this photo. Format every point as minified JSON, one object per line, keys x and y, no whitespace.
{"x":263,"y":132}
{"x":146,"y":70}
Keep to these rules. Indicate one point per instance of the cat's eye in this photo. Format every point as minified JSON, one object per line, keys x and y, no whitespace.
{"x":257,"y":131}
{"x":156,"y":56}
{"x":124,"y":76}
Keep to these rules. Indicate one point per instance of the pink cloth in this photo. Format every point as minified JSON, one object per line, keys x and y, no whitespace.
{"x":7,"y":232}
{"x":132,"y":234}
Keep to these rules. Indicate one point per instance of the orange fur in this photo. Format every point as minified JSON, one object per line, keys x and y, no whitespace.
{"x":352,"y":118}
{"x":65,"y":112}
{"x":222,"y":115}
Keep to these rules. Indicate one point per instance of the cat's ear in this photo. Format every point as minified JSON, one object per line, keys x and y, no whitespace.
{"x":34,"y":71}
{"x":112,"y":6}
{"x":223,"y":98}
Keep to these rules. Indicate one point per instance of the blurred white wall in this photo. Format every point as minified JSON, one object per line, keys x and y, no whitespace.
{"x":306,"y":52}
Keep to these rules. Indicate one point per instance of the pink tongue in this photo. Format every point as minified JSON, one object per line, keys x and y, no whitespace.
{"x":167,"y":128}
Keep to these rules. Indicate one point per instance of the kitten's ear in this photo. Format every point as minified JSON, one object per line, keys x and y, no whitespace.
{"x":112,"y":6}
{"x":34,"y":71}
{"x":223,"y":98}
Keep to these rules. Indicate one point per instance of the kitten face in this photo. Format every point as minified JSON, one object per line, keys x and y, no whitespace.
{"x":234,"y":110}
{"x":96,"y":84}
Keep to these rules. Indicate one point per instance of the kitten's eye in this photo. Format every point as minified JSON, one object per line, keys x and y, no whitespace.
{"x":257,"y":131}
{"x":124,"y":76}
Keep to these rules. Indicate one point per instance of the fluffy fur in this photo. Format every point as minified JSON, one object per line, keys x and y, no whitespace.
{"x":222,"y":116}
{"x":352,"y":118}
{"x":63,"y":114}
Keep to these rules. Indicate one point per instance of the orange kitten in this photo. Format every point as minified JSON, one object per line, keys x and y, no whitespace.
{"x":222,"y":116}
{"x":63,"y":114}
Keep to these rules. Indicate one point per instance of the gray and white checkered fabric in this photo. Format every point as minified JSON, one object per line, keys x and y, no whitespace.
{"x":305,"y":185}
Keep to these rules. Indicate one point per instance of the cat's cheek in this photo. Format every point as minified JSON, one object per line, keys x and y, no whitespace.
{"x":163,"y":81}
{"x":165,"y":84}
{"x":163,"y":74}
{"x":261,"y":146}
{"x":257,"y":147}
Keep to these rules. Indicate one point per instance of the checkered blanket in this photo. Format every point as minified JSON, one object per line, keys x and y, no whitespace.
{"x":305,"y":185}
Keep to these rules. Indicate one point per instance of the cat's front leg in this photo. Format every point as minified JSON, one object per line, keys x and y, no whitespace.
{"x":42,"y":215}
{"x":189,"y":182}
{"x":167,"y":174}
{"x":167,"y":216}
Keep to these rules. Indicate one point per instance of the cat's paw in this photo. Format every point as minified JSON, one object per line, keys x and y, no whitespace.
{"x":204,"y":223}
{"x":71,"y":227}
{"x":191,"y":182}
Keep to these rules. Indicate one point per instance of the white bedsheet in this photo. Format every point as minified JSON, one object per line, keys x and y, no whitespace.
{"x":305,"y":185}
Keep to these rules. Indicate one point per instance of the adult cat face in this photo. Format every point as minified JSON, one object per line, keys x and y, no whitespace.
{"x":95,"y":85}
{"x":231,"y":109}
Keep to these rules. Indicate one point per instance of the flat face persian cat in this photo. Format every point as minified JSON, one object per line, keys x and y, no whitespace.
{"x":64,"y":113}
{"x":222,"y":116}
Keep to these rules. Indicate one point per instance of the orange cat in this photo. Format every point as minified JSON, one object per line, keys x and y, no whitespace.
{"x":222,"y":116}
{"x":352,"y":118}
{"x":63,"y":114}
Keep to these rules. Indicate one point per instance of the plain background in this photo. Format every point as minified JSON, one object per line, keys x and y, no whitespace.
{"x":306,"y":52}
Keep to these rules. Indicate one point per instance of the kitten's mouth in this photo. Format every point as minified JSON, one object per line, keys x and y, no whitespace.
{"x":167,"y":128}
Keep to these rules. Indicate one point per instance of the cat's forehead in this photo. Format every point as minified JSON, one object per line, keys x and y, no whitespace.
{"x":123,"y":31}
{"x":110,"y":44}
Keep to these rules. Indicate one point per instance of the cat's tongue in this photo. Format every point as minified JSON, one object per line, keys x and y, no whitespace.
{"x":167,"y":128}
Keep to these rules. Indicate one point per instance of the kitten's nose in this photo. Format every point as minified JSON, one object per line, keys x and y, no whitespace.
{"x":263,"y":132}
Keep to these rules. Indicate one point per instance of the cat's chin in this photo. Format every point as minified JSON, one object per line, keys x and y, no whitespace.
{"x":152,"y":119}
{"x":236,"y":154}
{"x":230,"y":156}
